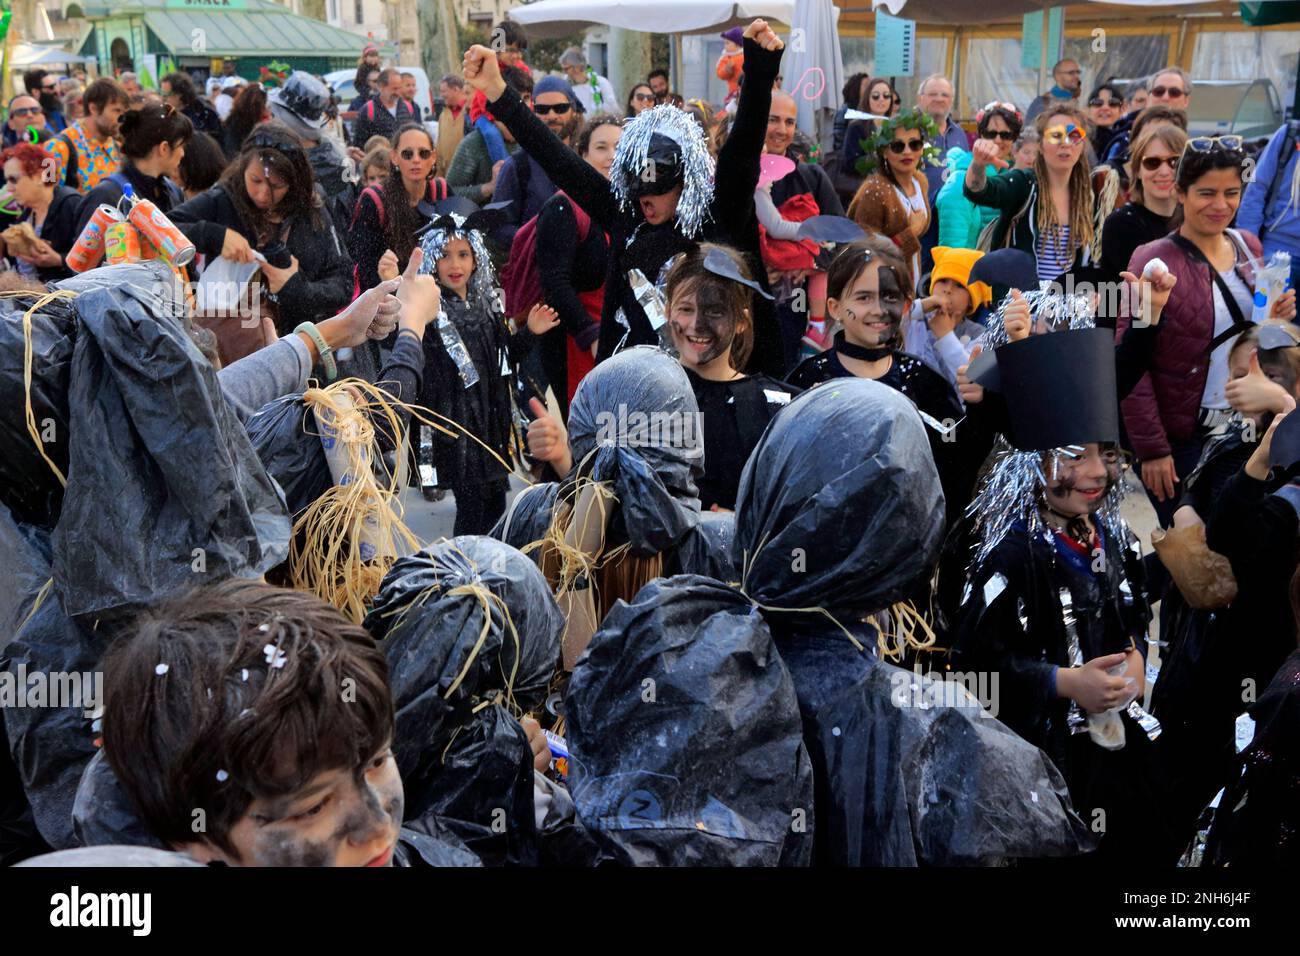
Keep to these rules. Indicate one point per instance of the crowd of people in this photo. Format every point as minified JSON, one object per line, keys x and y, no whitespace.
{"x":825,"y":448}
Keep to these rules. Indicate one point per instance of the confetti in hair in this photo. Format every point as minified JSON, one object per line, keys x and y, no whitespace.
{"x":632,"y":155}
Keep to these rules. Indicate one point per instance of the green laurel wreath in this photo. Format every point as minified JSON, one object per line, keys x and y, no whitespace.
{"x":915,"y":118}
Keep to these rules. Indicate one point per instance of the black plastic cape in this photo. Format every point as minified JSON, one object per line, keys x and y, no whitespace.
{"x":684,"y":732}
{"x":461,"y":753}
{"x":840,"y":508}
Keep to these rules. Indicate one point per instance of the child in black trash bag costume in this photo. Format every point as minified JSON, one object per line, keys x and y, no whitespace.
{"x":470,"y":356}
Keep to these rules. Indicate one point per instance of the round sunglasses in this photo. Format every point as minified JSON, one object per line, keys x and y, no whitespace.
{"x":1103,"y":101}
{"x":409,"y":154}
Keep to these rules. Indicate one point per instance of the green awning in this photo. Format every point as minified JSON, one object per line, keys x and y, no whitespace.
{"x":263,"y":29}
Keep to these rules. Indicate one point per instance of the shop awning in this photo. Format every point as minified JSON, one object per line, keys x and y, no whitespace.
{"x":260,"y":28}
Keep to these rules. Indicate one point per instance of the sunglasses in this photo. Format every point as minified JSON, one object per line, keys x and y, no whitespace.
{"x":52,"y":88}
{"x":1100,"y":101}
{"x":1206,"y":144}
{"x":1172,"y":91}
{"x":27,"y":111}
{"x":1003,"y":134}
{"x":898,"y":146}
{"x":409,"y":154}
{"x":559,"y":109}
{"x":1067,"y":134}
{"x":643,"y":97}
{"x":1152,"y":163}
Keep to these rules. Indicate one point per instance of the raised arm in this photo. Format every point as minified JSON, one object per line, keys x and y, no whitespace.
{"x":568,"y":171}
{"x":738,"y":160}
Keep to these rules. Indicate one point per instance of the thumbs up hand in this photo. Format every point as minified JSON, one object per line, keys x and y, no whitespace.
{"x":1255,"y":393}
{"x":548,"y":440}
{"x":1016,"y":317}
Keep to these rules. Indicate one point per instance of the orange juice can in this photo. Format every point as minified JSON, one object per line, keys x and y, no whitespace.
{"x":89,"y":248}
{"x":147,"y":249}
{"x":121,"y":243}
{"x":162,"y":232}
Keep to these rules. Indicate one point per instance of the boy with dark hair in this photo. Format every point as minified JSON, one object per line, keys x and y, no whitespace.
{"x":251,"y":725}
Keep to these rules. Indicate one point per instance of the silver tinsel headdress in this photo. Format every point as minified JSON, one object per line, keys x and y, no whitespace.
{"x":1012,"y":491}
{"x":482,"y":284}
{"x":631,"y":158}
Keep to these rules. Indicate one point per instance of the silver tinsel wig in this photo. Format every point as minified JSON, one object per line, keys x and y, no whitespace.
{"x":482,"y":284}
{"x":632,"y":156}
{"x":1012,"y":490}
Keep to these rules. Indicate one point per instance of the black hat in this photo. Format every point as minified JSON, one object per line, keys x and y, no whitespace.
{"x":1005,"y":269}
{"x":1059,"y":388}
{"x":300,"y":104}
{"x":665,"y":169}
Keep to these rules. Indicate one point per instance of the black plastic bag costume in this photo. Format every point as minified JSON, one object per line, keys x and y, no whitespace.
{"x":685,"y":737}
{"x":634,"y":423}
{"x":839,"y":511}
{"x":454,"y":673}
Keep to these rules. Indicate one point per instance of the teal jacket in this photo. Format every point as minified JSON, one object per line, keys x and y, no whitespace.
{"x":960,"y":220}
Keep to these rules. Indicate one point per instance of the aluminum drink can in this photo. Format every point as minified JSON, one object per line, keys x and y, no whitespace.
{"x":162,"y":232}
{"x":89,"y":249}
{"x":121,"y":243}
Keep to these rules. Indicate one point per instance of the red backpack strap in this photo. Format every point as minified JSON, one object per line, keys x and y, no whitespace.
{"x":440,"y":189}
{"x":370,"y":110}
{"x":579,"y":214}
{"x":377,"y":198}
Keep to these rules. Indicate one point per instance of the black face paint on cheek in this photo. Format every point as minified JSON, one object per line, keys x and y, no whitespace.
{"x":280,"y":847}
{"x":713,"y":319}
{"x":891,"y":302}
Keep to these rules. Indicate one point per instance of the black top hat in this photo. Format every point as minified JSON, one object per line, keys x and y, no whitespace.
{"x":1059,"y":388}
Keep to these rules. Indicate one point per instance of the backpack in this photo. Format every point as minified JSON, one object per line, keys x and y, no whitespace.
{"x":440,"y":192}
{"x":410,"y":106}
{"x":519,"y":279}
{"x":71,"y":177}
{"x":1289,"y":142}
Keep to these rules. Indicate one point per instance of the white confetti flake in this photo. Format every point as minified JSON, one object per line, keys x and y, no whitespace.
{"x":161,"y":669}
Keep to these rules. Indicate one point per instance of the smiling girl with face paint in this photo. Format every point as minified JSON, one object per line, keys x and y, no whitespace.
{"x":869,"y":291}
{"x":271,"y":712}
{"x":710,"y":318}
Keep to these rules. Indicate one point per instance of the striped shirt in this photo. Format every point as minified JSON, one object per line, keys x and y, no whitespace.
{"x":1052,"y":249}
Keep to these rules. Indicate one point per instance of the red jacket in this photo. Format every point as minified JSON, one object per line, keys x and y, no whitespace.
{"x":1167,"y":400}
